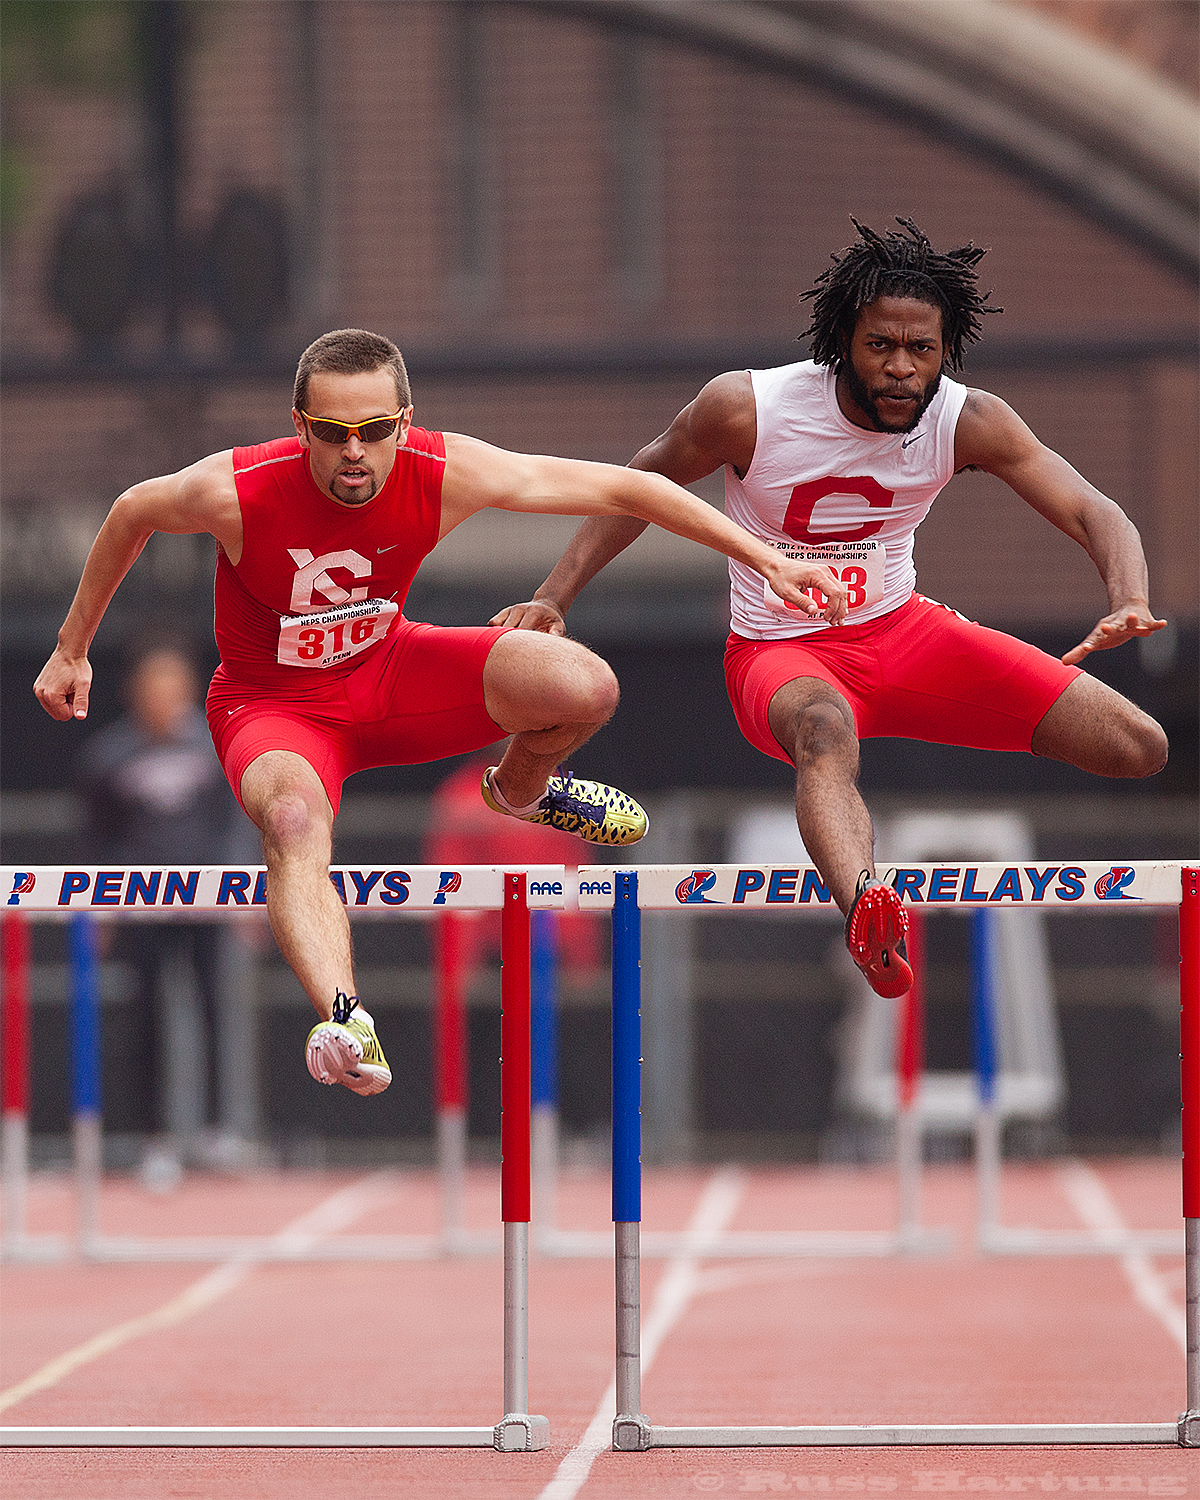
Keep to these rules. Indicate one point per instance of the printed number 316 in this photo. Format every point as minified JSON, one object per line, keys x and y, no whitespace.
{"x":314,"y":640}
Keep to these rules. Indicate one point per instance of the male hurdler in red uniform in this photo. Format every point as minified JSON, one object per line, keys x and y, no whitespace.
{"x":837,"y":459}
{"x":319,"y":536}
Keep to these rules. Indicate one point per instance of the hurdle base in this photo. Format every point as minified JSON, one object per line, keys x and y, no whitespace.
{"x":1089,"y":1434}
{"x":1189,"y":1429}
{"x":1001,"y":1239}
{"x":247,"y":1437}
{"x":35,"y":1249}
{"x":517,"y":1432}
{"x":631,"y":1434}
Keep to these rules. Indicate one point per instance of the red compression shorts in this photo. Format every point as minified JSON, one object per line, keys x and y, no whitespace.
{"x":417,"y":696}
{"x":922,"y":672}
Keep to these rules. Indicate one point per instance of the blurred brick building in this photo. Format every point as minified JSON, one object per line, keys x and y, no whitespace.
{"x":570,"y":215}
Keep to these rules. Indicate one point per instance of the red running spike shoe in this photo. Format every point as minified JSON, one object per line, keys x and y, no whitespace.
{"x":875,"y":933}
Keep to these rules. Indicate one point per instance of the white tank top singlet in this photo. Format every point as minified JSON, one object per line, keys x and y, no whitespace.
{"x":819,"y":487}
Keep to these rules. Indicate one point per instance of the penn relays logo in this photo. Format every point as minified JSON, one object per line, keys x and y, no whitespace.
{"x":691,"y":892}
{"x":1111,"y":887}
{"x":449,"y":881}
{"x":23,"y":884}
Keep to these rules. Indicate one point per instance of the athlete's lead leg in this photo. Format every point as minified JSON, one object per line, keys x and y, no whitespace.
{"x":285,"y":798}
{"x":815,"y":725}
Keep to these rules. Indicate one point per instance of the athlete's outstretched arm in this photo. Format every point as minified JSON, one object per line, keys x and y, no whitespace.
{"x":992,"y":437}
{"x":717,"y":428}
{"x":479,"y":476}
{"x":196,"y":499}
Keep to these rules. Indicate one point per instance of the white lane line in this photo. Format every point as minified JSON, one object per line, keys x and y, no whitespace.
{"x":312,"y":1226}
{"x":679,"y":1284}
{"x":1092,"y":1202}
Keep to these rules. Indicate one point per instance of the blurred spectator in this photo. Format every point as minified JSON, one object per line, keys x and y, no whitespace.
{"x":155,"y":794}
{"x":464,"y":831}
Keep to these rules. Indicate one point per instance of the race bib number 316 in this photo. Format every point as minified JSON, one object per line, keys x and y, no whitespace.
{"x":858,"y":565}
{"x":328,"y":636}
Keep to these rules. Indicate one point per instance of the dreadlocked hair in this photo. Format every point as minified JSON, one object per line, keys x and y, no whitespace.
{"x":897,"y":265}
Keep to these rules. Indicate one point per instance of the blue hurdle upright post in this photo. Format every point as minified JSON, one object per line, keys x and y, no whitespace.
{"x":544,"y":1029}
{"x":985,"y":1047}
{"x":629,"y":1424}
{"x":85,"y":1075}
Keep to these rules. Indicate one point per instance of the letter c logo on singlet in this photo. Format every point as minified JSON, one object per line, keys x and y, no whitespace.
{"x":797,"y":521}
{"x":312,"y":577}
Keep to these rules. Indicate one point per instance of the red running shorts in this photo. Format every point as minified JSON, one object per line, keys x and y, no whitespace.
{"x":417,"y":697}
{"x":922,"y":672}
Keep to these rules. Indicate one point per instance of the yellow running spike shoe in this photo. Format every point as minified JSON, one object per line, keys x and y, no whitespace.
{"x":595,"y":812}
{"x":346,"y":1050}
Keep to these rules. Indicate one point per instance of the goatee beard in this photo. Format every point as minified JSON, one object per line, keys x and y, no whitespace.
{"x":863,"y":399}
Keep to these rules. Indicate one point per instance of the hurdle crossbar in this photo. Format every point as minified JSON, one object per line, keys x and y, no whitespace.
{"x":77,"y":893}
{"x":663,"y":887}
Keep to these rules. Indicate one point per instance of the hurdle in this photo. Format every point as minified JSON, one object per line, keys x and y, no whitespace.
{"x":665,"y":888}
{"x":18,"y":1243}
{"x":83,"y":897}
{"x":992,"y":1236}
{"x":60,"y":892}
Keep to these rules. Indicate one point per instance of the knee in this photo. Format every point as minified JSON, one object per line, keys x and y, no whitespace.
{"x":292,"y":825}
{"x":822,"y":731}
{"x":1145,"y":747}
{"x":603,"y":692}
{"x":583,"y":689}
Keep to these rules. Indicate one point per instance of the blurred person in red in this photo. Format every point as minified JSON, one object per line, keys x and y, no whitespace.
{"x":462,"y":831}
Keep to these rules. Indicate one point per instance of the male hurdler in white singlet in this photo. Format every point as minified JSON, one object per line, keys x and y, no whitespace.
{"x":838,"y":459}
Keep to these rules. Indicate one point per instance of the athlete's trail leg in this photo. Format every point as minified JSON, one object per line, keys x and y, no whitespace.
{"x":284,"y":796}
{"x":551,"y":695}
{"x":1092,"y":727}
{"x":815,"y":725}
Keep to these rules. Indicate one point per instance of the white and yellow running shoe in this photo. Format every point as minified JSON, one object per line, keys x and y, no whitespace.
{"x":595,"y":812}
{"x":346,"y":1050}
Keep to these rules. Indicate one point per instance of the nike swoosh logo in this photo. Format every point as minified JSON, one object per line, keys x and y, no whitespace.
{"x":379,"y":551}
{"x":908,"y":442}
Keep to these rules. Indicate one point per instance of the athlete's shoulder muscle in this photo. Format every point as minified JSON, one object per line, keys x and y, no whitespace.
{"x":989,"y":434}
{"x":202,"y":497}
{"x":724,"y":419}
{"x":718,"y":427}
{"x":479,"y":475}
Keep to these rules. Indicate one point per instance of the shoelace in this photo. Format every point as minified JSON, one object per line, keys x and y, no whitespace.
{"x":566,"y":795}
{"x":342,"y":1006}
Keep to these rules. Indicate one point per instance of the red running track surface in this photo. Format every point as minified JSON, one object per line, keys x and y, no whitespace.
{"x":956,"y":1338}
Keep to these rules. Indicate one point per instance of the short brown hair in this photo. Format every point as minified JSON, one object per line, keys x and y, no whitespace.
{"x":351,"y":351}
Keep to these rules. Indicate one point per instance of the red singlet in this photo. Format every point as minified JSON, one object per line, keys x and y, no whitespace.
{"x":316,"y":656}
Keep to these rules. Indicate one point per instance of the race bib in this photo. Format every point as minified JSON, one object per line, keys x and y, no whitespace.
{"x":328,"y":636}
{"x":859,"y":565}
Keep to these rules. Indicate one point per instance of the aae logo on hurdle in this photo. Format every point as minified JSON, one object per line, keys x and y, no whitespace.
{"x":668,"y":887}
{"x":199,"y":888}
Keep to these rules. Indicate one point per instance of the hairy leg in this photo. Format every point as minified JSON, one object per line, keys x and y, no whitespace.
{"x":284,"y":796}
{"x":1092,"y":727}
{"x":815,"y":725}
{"x":551,"y":695}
